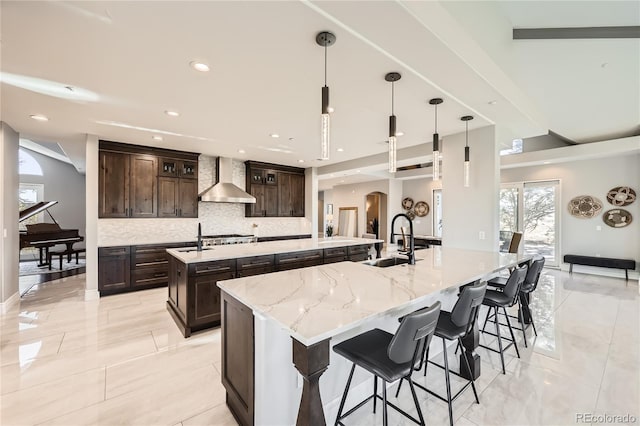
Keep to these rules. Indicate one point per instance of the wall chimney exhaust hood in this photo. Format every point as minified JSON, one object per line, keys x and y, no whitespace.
{"x":224,"y":191}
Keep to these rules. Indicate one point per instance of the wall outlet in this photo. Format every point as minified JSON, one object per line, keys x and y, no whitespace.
{"x":597,"y":254}
{"x":481,"y":235}
{"x":598,"y":228}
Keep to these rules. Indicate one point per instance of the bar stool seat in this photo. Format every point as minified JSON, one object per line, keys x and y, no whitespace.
{"x":369,"y":351}
{"x":496,"y":298}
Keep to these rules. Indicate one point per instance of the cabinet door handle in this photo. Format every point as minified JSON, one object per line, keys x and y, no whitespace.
{"x":160,"y":274}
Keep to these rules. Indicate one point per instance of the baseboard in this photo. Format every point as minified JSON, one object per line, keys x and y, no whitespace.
{"x":92,"y":294}
{"x":5,"y":306}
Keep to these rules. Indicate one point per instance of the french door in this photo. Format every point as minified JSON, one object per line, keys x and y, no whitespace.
{"x":533,"y":209}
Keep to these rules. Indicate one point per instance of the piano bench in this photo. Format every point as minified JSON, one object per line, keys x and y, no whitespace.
{"x":62,"y":253}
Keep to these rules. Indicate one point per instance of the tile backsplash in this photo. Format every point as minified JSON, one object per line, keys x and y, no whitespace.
{"x":216,"y":218}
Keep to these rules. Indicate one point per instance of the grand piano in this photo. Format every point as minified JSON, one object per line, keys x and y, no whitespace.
{"x":45,"y":235}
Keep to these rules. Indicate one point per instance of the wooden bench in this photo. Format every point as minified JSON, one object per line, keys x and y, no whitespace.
{"x":603,"y":262}
{"x":62,"y":253}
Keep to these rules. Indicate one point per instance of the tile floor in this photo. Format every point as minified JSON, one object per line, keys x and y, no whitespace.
{"x":121,"y":360}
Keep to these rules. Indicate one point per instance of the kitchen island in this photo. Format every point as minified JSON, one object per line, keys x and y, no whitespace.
{"x":298,"y":315}
{"x":194,"y":297}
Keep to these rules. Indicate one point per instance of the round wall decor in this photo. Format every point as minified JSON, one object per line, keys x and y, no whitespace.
{"x":621,"y":196}
{"x":407,"y":203}
{"x":411,"y":214}
{"x":584,"y":206}
{"x":617,"y":218}
{"x":421,"y":209}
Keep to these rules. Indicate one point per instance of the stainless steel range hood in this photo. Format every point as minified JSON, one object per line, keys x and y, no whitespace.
{"x":224,"y":191}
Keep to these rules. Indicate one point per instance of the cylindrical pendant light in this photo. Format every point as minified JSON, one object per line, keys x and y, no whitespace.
{"x":466,"y":120}
{"x":392,"y":77}
{"x":325,"y":39}
{"x":436,"y":140}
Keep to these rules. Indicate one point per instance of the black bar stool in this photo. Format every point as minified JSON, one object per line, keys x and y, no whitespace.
{"x":528,"y":286}
{"x":390,"y":357}
{"x":454,"y":326}
{"x":505,"y":299}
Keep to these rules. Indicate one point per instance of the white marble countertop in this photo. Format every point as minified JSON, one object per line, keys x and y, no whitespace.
{"x":319,"y":302}
{"x":234,"y":251}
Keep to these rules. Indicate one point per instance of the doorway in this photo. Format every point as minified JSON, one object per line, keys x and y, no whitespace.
{"x":533,"y":209}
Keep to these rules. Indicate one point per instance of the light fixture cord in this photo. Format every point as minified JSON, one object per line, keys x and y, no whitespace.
{"x":325,"y":62}
{"x":436,"y":125}
{"x":392,"y":94}
{"x":466,"y":133}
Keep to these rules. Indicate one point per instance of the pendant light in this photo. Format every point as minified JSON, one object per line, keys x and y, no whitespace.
{"x":325,"y":39}
{"x":436,"y":141}
{"x":466,"y":120}
{"x":392,"y":77}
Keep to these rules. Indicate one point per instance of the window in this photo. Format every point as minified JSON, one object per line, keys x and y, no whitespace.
{"x":532,"y":208}
{"x":27,"y":165}
{"x":28,"y":195}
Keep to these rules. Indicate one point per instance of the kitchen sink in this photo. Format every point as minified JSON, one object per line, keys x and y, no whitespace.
{"x":388,"y":261}
{"x":189,"y":250}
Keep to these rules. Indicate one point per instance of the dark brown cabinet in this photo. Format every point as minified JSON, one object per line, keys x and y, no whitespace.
{"x":172,"y":167}
{"x":177,"y":197}
{"x":299,"y":259}
{"x":255,"y":265}
{"x":290,"y":194}
{"x":113,"y":269}
{"x":194,"y":297}
{"x":279,"y":190}
{"x":358,"y":253}
{"x":130,"y":268}
{"x":140,"y":182}
{"x":127,"y":185}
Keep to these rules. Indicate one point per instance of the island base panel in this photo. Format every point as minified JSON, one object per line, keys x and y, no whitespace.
{"x":237,"y":333}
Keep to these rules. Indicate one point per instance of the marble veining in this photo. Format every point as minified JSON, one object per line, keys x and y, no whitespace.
{"x":234,"y":251}
{"x":316,"y":303}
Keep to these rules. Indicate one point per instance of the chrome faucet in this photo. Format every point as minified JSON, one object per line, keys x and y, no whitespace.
{"x":412,"y":249}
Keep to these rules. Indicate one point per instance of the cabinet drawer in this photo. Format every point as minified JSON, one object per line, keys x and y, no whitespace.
{"x":335,"y":259}
{"x":334,"y":252}
{"x":150,"y":277}
{"x":246,"y":263}
{"x":150,"y":258}
{"x":255,"y":271}
{"x":216,"y":267}
{"x":299,"y":256}
{"x":358,"y":249}
{"x":359,"y":257}
{"x":113,"y":251}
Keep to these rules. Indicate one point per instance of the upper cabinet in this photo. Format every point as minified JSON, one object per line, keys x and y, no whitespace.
{"x":279,"y":190}
{"x":145,"y":182}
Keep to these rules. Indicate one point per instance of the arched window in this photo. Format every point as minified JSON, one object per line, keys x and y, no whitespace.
{"x":27,"y":165}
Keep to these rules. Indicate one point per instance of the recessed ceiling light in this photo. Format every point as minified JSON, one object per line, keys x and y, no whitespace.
{"x":156,"y":138}
{"x":492,"y":102}
{"x":241,"y":151}
{"x":340,"y":150}
{"x":546,"y":162}
{"x":39,"y":117}
{"x":357,"y":171}
{"x":399,"y":133}
{"x":300,"y":161}
{"x":342,"y":181}
{"x":199,"y":66}
{"x":274,"y":135}
{"x":172,"y":113}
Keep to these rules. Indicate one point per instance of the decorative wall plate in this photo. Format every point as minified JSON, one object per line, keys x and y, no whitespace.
{"x":617,"y":218}
{"x":411,"y":214}
{"x":584,"y":206}
{"x":621,"y":196}
{"x":407,"y":203}
{"x":421,"y":209}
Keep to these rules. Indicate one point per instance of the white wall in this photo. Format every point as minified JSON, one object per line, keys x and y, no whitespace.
{"x":469,"y":211}
{"x":9,"y":237}
{"x":421,"y":190}
{"x":355,"y":195}
{"x":92,"y":164}
{"x":595,"y":178}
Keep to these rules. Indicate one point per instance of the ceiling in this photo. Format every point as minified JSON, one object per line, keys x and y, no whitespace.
{"x":128,"y":62}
